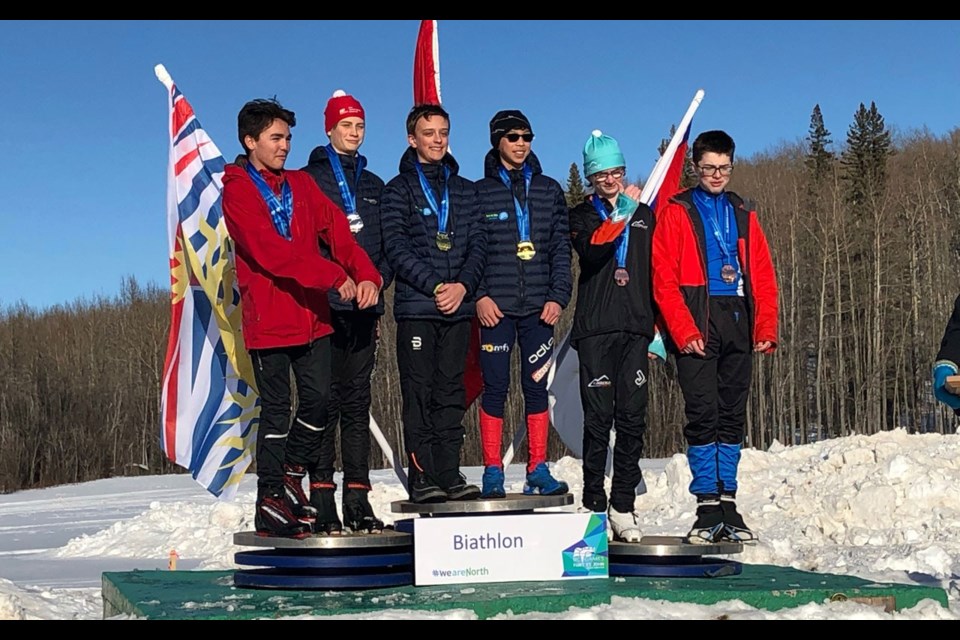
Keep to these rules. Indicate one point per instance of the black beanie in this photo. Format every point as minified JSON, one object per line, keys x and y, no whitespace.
{"x":503,"y":122}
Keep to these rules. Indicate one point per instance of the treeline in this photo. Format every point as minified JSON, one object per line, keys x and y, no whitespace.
{"x":865,"y":236}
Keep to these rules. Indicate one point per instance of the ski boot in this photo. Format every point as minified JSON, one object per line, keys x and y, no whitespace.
{"x":358,"y":515}
{"x":540,"y":482}
{"x":493,"y":483}
{"x":322,"y":499}
{"x":274,"y":517}
{"x":734,"y":528}
{"x":709,"y":527}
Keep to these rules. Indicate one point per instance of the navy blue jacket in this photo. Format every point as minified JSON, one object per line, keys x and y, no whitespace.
{"x":409,"y":238}
{"x":522,"y":287}
{"x":368,"y":197}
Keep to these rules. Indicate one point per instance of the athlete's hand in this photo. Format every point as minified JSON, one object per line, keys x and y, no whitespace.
{"x":551,"y":313}
{"x":368,"y":294}
{"x":694,"y":346}
{"x":488,"y":312}
{"x":449,"y":297}
{"x":632,"y":191}
{"x":348,"y":290}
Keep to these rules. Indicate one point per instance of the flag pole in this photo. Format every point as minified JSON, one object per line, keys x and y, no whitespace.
{"x":163,"y":76}
{"x":388,"y":450}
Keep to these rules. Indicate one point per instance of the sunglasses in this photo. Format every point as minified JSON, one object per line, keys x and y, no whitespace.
{"x":513,"y":137}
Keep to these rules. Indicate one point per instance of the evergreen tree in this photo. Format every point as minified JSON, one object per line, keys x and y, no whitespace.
{"x":819,"y":160}
{"x":865,"y":158}
{"x":575,"y":193}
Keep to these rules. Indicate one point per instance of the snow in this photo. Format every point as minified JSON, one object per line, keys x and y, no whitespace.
{"x":884,"y":508}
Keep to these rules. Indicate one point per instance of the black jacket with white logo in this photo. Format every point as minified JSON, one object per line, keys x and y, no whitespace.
{"x":602,"y":305}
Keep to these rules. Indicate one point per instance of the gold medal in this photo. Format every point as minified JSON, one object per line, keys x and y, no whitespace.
{"x":443,"y":241}
{"x":525,"y":250}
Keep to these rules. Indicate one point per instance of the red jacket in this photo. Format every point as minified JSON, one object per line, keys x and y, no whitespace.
{"x":284,"y":283}
{"x":680,"y":272}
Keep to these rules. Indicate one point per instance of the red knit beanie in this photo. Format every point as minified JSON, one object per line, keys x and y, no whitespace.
{"x":341,"y":106}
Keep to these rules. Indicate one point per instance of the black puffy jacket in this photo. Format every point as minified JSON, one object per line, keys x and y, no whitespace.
{"x":368,"y":197}
{"x":521,"y":287}
{"x":409,"y":238}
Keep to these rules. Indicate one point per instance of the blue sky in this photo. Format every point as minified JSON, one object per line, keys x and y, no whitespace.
{"x":84,"y":172}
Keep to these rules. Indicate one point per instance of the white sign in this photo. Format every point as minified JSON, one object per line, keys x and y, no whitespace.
{"x":510,"y":548}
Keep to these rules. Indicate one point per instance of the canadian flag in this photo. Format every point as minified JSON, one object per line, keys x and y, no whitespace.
{"x":426,"y":65}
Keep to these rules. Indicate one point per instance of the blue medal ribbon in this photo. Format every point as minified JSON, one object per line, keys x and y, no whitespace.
{"x":443,"y":211}
{"x":713,"y":204}
{"x":623,"y":240}
{"x":523,"y":213}
{"x":347,"y":196}
{"x":281,"y":209}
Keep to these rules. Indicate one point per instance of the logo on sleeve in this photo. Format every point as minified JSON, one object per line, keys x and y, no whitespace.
{"x":602,"y":381}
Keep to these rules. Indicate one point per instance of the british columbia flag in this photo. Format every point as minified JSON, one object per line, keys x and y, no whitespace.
{"x":209,"y":406}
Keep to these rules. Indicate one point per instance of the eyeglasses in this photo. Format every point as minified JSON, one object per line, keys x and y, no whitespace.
{"x":712,"y":170}
{"x":616,"y":174}
{"x":513,"y":137}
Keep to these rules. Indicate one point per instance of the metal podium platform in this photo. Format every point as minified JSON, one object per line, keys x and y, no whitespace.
{"x":347,"y":561}
{"x":512,"y":503}
{"x":673,"y":557}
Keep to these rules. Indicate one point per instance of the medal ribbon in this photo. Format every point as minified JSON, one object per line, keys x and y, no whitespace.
{"x":523,"y":213}
{"x":443,"y":211}
{"x":623,"y":240}
{"x":348,"y":196}
{"x":281,"y":209}
{"x":713,"y":204}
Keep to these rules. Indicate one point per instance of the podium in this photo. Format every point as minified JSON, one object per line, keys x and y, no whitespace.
{"x":347,"y":561}
{"x":673,"y":557}
{"x":387,"y":559}
{"x":513,"y":503}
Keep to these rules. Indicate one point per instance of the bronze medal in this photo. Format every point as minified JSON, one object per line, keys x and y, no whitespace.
{"x":728,"y":273}
{"x":622,"y":277}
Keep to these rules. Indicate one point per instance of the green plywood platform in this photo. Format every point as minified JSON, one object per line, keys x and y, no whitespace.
{"x":211,"y":594}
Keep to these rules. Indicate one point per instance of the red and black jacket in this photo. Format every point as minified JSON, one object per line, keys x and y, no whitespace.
{"x":680,"y":272}
{"x":284,"y":284}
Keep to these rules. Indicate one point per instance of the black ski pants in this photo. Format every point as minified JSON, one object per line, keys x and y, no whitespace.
{"x":431,"y":358}
{"x":353,"y":352}
{"x":614,"y":394}
{"x":279,"y":442}
{"x":715,"y":387}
